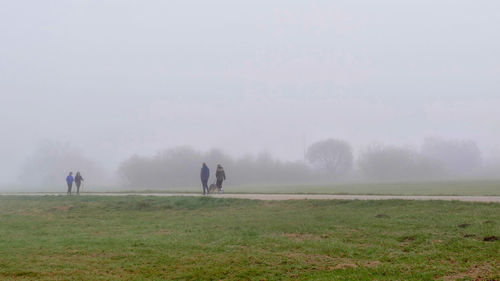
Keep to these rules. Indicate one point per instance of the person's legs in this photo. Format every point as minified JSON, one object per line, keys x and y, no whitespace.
{"x":78,"y":189}
{"x":69,"y":188}
{"x":219,"y":185}
{"x":205,"y":186}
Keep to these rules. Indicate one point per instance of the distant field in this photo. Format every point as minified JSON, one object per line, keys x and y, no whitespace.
{"x":200,"y":238}
{"x":487,"y":188}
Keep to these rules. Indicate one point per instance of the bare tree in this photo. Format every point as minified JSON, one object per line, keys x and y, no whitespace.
{"x":331,"y":155}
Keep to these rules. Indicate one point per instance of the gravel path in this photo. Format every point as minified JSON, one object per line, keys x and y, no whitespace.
{"x":495,"y":199}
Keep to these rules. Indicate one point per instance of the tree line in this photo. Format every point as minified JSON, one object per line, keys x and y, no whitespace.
{"x":436,"y":159}
{"x":326,"y":161}
{"x":181,"y":167}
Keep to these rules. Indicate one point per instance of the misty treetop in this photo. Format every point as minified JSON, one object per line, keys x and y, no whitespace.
{"x":333,"y":156}
{"x":397,"y":163}
{"x":456,"y":156}
{"x":437,"y":159}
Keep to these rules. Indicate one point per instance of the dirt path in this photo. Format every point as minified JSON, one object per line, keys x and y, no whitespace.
{"x":495,"y":199}
{"x":359,"y":197}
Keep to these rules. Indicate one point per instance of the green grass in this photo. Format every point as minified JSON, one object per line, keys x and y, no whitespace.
{"x":486,"y":188}
{"x":460,"y":188}
{"x":200,"y":238}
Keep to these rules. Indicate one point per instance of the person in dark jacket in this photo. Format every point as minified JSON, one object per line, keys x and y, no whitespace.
{"x":221,"y":176}
{"x":69,"y":181}
{"x":78,"y":182}
{"x":204,"y":175}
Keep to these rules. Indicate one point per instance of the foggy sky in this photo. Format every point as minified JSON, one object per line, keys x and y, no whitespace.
{"x":115,"y":78}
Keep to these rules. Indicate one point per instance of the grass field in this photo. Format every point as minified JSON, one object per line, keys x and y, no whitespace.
{"x":199,"y":238}
{"x":486,"y":188}
{"x":460,"y":188}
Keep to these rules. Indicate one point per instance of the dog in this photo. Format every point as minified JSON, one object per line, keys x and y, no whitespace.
{"x":212,"y":188}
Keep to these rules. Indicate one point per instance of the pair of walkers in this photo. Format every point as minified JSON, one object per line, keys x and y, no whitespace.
{"x":78,"y":182}
{"x":220,"y":176}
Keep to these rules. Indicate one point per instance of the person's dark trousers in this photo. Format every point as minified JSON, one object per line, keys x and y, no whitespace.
{"x":69,"y":188}
{"x":78,"y":188}
{"x":205,"y":186}
{"x":219,"y":184}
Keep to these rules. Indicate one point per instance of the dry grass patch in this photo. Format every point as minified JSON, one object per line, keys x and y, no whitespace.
{"x":326,"y":262}
{"x":62,"y":208}
{"x":371,"y":264}
{"x":163,"y":232}
{"x":298,"y":237}
{"x":478,"y":272}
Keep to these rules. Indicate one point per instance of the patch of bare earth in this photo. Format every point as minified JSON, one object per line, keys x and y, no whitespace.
{"x":371,"y":264}
{"x":344,"y":266}
{"x":490,"y":238}
{"x":478,"y":272}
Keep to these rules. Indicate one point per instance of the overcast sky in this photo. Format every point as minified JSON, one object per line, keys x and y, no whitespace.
{"x":114,"y":78}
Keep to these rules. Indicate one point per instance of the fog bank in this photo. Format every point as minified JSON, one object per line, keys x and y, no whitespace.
{"x":112,"y":79}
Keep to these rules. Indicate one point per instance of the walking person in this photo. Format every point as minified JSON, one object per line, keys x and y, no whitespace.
{"x":204,"y":175}
{"x":69,"y":181}
{"x":78,"y":182}
{"x":221,"y":177}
